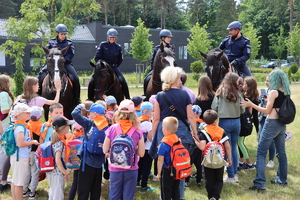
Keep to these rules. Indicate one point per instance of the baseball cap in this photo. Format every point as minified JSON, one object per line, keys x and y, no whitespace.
{"x":60,"y":121}
{"x":21,"y":108}
{"x":128,"y":104}
{"x":196,"y":109}
{"x":110,"y":99}
{"x":36,"y":112}
{"x":136,"y":100}
{"x":97,"y":108}
{"x":146,"y":105}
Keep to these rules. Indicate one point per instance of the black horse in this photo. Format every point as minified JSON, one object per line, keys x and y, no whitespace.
{"x":105,"y":83}
{"x":56,"y":70}
{"x":217,"y":65}
{"x":163,"y":58}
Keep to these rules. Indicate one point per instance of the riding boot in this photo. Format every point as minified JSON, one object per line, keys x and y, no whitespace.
{"x":76,"y":86}
{"x":75,"y":80}
{"x":146,"y":81}
{"x":125,"y":88}
{"x":42,"y":74}
{"x":91,"y":88}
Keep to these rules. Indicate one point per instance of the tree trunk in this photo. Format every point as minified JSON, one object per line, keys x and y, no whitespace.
{"x":105,"y":11}
{"x":291,"y":2}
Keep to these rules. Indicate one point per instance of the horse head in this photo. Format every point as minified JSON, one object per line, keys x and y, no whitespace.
{"x":214,"y":66}
{"x":101,"y":76}
{"x":55,"y":61}
{"x":164,"y":57}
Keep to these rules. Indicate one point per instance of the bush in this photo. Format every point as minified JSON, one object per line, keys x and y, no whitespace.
{"x":197,"y":66}
{"x":294,"y":68}
{"x":261,"y":70}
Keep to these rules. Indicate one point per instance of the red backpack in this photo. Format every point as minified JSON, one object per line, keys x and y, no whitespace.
{"x":181,"y":166}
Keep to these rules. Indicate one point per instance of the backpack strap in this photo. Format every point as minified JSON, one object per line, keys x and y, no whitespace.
{"x":24,"y":135}
{"x":210,"y":140}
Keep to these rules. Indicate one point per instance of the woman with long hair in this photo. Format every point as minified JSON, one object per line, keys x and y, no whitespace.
{"x":272,"y":130}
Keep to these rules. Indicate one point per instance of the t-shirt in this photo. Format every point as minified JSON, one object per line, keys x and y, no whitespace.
{"x":24,"y":152}
{"x":58,"y":146}
{"x":146,"y":126}
{"x":36,"y":101}
{"x":190,"y":92}
{"x":204,"y":105}
{"x":164,"y":150}
{"x":5,"y":104}
{"x":178,"y":97}
{"x":136,"y":136}
{"x":49,"y":132}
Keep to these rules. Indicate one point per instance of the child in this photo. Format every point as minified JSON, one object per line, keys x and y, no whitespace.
{"x":55,"y":178}
{"x":21,"y":113}
{"x":168,"y":185}
{"x":111,"y":106}
{"x":33,"y":172}
{"x":196,"y":157}
{"x":137,"y":100}
{"x":213,"y":177}
{"x":90,"y":172}
{"x":145,"y":162}
{"x":250,"y":88}
{"x":122,"y":181}
{"x":55,"y":110}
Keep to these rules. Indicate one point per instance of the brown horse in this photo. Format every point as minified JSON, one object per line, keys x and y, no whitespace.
{"x":217,"y":65}
{"x":163,"y":58}
{"x":105,"y":83}
{"x":56,"y":70}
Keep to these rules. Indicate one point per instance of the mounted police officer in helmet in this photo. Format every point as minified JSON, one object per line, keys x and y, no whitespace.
{"x":61,"y":42}
{"x":111,"y":52}
{"x":165,"y":37}
{"x":237,"y":48}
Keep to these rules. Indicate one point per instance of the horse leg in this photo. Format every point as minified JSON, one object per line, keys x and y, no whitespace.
{"x":91,"y":91}
{"x":46,"y":112}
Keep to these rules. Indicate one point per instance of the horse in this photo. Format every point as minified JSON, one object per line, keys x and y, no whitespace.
{"x":217,"y":65}
{"x":163,"y":58}
{"x":105,"y":83}
{"x":56,"y":70}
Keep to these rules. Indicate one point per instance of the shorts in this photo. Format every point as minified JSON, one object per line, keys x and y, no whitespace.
{"x":19,"y":170}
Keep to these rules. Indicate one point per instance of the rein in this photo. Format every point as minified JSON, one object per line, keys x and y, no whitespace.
{"x":106,"y":85}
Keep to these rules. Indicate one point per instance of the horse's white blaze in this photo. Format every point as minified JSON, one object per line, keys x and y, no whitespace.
{"x":210,"y":69}
{"x":171,"y":60}
{"x":56,"y":69}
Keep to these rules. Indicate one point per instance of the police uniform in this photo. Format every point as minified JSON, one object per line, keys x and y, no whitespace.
{"x":56,"y":43}
{"x":113,"y":55}
{"x":238,"y":50}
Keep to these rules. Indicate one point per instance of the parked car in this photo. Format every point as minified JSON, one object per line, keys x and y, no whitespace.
{"x":274,"y":63}
{"x":288,"y":64}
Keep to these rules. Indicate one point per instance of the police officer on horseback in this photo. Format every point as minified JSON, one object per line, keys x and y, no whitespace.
{"x":61,"y":42}
{"x":237,"y":48}
{"x":165,"y":37}
{"x":111,"y":52}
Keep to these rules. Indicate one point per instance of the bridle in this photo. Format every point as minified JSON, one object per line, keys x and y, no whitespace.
{"x":106,"y":88}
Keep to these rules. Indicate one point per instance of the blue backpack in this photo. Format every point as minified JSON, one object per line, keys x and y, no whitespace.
{"x":44,"y":157}
{"x":9,"y":142}
{"x":122,"y":153}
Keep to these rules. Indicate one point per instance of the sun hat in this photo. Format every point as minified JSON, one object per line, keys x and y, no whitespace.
{"x":21,"y":108}
{"x":128,"y":105}
{"x":36,"y":112}
{"x":196,"y":109}
{"x":110,"y":99}
{"x":60,"y":121}
{"x":146,"y":105}
{"x":136,"y":100}
{"x":97,"y":108}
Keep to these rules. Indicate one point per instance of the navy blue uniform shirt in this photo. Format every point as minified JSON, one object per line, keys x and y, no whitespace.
{"x":110,"y":53}
{"x":56,"y":43}
{"x":238,"y":50}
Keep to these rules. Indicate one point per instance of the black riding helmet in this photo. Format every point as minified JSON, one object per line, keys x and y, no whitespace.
{"x":61,"y":28}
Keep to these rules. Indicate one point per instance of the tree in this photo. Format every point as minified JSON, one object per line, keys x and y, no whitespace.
{"x":36,"y":21}
{"x":141,"y":47}
{"x":293,"y":43}
{"x":278,"y":41}
{"x":250,"y":32}
{"x":198,"y":41}
{"x":7,"y":8}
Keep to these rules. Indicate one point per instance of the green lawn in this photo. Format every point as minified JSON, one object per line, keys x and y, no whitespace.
{"x":230,"y":192}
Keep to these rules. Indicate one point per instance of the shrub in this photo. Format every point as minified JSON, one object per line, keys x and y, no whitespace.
{"x":294,"y":68}
{"x":197,"y":66}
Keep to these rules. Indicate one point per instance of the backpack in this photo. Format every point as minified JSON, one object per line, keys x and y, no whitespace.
{"x":73,"y":160}
{"x":287,"y":111}
{"x":122,"y":153}
{"x":214,"y":153}
{"x":44,"y":157}
{"x":246,"y":123}
{"x":9,"y":142}
{"x":181,"y":167}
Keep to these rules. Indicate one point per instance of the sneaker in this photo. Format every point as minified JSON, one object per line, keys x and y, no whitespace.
{"x":187,"y":184}
{"x":199,"y":184}
{"x":236,"y":178}
{"x":278,"y":183}
{"x":154,"y":178}
{"x":138,"y":185}
{"x":229,"y":180}
{"x":256,"y":188}
{"x":33,"y":195}
{"x":26,"y":193}
{"x":248,"y":167}
{"x":270,"y":164}
{"x":145,"y":189}
{"x":213,"y":198}
{"x":4,"y":187}
{"x":194,"y":175}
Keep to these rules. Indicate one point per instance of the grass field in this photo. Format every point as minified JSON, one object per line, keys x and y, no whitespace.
{"x":230,"y":192}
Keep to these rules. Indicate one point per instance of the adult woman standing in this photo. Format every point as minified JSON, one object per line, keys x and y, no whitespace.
{"x":6,"y":100}
{"x":272,"y":130}
{"x":111,"y":52}
{"x":227,"y":104}
{"x":182,"y":102}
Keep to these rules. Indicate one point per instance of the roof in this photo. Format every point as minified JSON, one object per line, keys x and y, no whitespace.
{"x":81,"y":32}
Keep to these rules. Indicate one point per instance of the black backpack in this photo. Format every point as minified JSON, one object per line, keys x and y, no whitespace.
{"x":287,"y":111}
{"x":246,"y":123}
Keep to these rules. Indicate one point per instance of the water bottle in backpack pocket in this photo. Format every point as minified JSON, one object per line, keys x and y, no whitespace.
{"x":122,"y":152}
